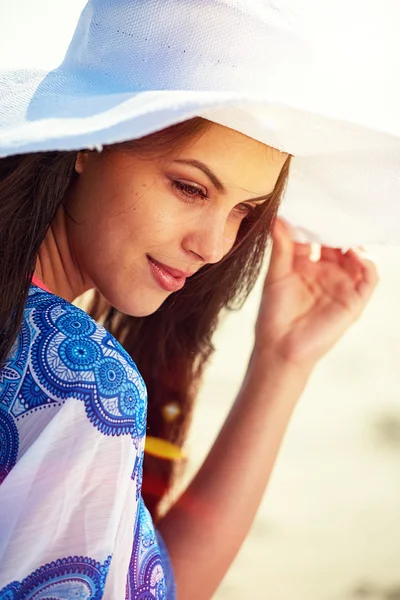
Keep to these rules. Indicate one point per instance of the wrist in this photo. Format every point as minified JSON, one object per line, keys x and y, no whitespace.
{"x":267,"y":364}
{"x":270,"y":380}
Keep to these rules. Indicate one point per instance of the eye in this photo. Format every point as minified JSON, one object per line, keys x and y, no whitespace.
{"x":188,"y":191}
{"x":244,"y":210}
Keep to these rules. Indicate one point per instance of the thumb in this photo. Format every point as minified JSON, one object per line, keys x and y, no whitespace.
{"x":281,"y":262}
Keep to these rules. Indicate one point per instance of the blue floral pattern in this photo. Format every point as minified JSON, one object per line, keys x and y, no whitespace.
{"x":70,"y":355}
{"x":62,"y":355}
{"x":9,"y":442}
{"x":69,"y":578}
{"x":146,"y":579}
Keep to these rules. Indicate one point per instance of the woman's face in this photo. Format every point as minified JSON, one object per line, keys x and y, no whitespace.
{"x":140,"y":226}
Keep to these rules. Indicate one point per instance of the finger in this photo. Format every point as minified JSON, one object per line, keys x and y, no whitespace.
{"x":351,"y":264}
{"x":281,"y":262}
{"x":370,"y":277}
{"x":302,"y":264}
{"x":302,"y":250}
{"x":331,"y":254}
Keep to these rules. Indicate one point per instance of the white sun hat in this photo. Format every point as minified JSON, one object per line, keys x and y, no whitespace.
{"x":316,"y":80}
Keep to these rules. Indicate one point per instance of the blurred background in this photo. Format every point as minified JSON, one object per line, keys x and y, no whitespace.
{"x":329,"y":525}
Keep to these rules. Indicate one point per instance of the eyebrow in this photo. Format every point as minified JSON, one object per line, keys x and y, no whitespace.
{"x":214,"y":179}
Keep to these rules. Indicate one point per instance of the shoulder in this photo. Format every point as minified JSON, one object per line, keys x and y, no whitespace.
{"x":61,"y":353}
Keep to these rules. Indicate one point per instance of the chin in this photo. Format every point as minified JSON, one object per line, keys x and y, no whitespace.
{"x":134,"y":300}
{"x":138,"y":307}
{"x":141,"y":312}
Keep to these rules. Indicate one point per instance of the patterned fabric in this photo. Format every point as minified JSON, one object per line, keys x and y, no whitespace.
{"x":72,"y":430}
{"x":73,"y":577}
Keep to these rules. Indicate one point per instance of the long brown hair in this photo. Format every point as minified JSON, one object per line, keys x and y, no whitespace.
{"x":171,"y":346}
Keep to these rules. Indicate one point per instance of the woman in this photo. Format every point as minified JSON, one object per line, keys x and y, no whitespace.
{"x":169,"y":228}
{"x":175,"y":235}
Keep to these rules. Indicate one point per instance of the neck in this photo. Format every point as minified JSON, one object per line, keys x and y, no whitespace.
{"x":56,"y":266}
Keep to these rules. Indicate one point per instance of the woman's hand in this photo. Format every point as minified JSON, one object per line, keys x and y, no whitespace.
{"x":307,"y":306}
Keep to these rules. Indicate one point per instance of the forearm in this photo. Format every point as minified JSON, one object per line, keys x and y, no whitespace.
{"x":206,"y":527}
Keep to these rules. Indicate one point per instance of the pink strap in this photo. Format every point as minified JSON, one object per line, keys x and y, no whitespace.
{"x":36,"y":281}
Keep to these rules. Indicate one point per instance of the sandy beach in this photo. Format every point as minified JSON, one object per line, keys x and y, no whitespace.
{"x":328,"y":527}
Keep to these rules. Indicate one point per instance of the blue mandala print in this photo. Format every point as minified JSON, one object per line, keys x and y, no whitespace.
{"x":13,"y":368}
{"x":62,"y":353}
{"x":146,"y":579}
{"x":129,"y":401}
{"x":79,"y":354}
{"x":62,"y":356}
{"x":76,"y":325}
{"x":110,"y":376}
{"x":9,"y":443}
{"x":31,"y":394}
{"x":75,"y":577}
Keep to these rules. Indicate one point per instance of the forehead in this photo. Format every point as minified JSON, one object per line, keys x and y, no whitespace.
{"x":238,"y":161}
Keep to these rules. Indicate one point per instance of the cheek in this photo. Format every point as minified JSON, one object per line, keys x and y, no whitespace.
{"x":165,"y":211}
{"x":119,"y":216}
{"x":231,"y":231}
{"x":228,"y":245}
{"x":141,"y":231}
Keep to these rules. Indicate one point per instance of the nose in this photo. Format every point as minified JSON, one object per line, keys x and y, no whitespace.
{"x":207,"y":239}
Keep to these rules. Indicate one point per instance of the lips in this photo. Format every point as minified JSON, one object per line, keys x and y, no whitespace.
{"x":168,"y":278}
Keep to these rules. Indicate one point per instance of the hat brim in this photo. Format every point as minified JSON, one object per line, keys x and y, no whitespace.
{"x":339,"y":169}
